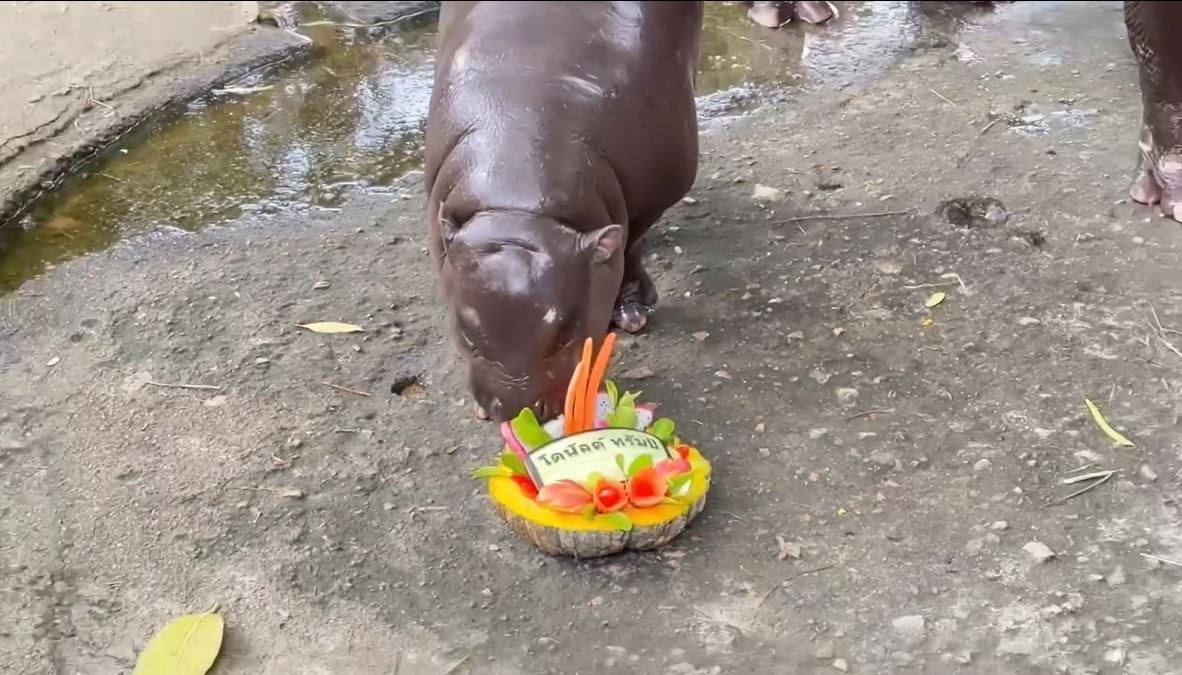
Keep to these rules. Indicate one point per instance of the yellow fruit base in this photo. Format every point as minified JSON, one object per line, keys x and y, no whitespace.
{"x":571,"y":534}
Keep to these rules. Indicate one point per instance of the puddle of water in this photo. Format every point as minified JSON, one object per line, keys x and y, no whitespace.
{"x":352,"y":116}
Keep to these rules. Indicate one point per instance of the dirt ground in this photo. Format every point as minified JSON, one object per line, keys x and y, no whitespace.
{"x":77,"y":75}
{"x":911,"y":457}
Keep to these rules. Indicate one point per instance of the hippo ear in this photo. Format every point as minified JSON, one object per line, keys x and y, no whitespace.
{"x":605,"y":243}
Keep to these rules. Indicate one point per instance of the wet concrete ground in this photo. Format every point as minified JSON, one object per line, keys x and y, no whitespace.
{"x":914,"y":458}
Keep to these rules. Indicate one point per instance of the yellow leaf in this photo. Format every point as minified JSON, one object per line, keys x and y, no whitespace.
{"x":1117,"y":438}
{"x":935,"y":299}
{"x":331,"y":327}
{"x":188,"y":645}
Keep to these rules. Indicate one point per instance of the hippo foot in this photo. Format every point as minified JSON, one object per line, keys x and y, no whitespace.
{"x":776,"y":14}
{"x":633,"y":307}
{"x":631,"y":317}
{"x":1159,"y":179}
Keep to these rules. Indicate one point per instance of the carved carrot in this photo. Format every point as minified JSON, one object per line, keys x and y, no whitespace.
{"x":581,"y":386}
{"x":596,"y":378}
{"x":577,"y":393}
{"x":568,"y":411}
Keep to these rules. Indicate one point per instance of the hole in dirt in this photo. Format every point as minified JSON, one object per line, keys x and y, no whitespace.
{"x":1033,"y":237}
{"x":974,"y":212}
{"x":408,"y":386}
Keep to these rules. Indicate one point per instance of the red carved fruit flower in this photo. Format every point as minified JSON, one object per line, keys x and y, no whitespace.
{"x":527,"y":486}
{"x":647,"y":487}
{"x":564,"y":495}
{"x":609,"y":495}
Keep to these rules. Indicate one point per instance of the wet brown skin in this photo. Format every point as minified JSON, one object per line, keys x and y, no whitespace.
{"x":1155,"y":29}
{"x":558,"y":133}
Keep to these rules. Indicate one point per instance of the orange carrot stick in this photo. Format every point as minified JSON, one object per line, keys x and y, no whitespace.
{"x":568,"y":412}
{"x":596,"y":377}
{"x":581,"y":387}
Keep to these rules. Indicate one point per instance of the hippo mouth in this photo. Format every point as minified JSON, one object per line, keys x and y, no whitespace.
{"x":501,"y":394}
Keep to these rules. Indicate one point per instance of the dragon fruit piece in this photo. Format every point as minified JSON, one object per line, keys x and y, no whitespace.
{"x":644,"y":415}
{"x":554,"y":427}
{"x":511,"y":440}
{"x":603,"y":408}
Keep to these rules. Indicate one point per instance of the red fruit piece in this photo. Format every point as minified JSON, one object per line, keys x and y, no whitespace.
{"x":527,"y":486}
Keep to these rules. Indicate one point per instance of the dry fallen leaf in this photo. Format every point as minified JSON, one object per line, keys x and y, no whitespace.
{"x":331,"y":327}
{"x":1098,"y":418}
{"x":188,"y":645}
{"x":935,"y":299}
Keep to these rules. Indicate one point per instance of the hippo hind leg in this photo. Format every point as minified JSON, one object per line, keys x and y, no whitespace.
{"x":1152,"y":27}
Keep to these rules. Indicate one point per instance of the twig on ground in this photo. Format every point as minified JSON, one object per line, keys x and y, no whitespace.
{"x":989,"y":126}
{"x":456,"y":666}
{"x":1164,"y":561}
{"x":861,"y":295}
{"x":941,"y":284}
{"x":787,"y":582}
{"x":177,"y":385}
{"x":839,"y":216}
{"x":109,"y":177}
{"x":1086,"y":476}
{"x":944,"y":98}
{"x":1090,"y":486}
{"x":1160,"y":333}
{"x":347,"y":389}
{"x":1085,"y":467}
{"x":346,"y":431}
{"x":91,"y":99}
{"x":873,"y":411}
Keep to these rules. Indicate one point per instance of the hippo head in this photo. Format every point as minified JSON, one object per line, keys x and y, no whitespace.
{"x":523,"y":292}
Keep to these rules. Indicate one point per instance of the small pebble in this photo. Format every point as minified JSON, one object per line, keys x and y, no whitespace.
{"x":701,"y":336}
{"x":320,"y":285}
{"x":999,"y":525}
{"x":494,"y":548}
{"x":1038,"y":551}
{"x":1116,"y":577}
{"x":911,"y":627}
{"x":1028,"y":321}
{"x":765,"y":194}
{"x":1148,"y":473}
{"x":840,"y":664}
{"x":759,"y":428}
{"x":53,"y":362}
{"x":982,"y":465}
{"x":846,"y":394}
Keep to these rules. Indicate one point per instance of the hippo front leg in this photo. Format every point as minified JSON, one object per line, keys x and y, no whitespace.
{"x":1153,"y":29}
{"x":638,"y":293}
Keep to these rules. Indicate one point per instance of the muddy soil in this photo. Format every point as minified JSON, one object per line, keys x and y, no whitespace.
{"x":913,"y":458}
